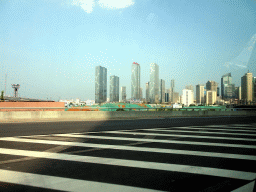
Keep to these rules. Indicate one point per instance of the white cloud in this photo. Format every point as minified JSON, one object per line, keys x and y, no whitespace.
{"x":86,"y":5}
{"x":115,"y":4}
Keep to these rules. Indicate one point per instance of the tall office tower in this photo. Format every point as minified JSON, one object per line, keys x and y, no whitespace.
{"x":114,"y":89}
{"x":247,"y":87}
{"x":167,"y":96}
{"x":254,"y":88}
{"x":147,"y":92}
{"x":135,"y":89}
{"x":123,"y":92}
{"x":162,"y":91}
{"x":212,"y":86}
{"x":187,"y":97}
{"x":141,"y":94}
{"x":100,"y":84}
{"x":154,"y":83}
{"x":211,"y":97}
{"x":238,"y":93}
{"x":199,"y":94}
{"x":227,"y":88}
{"x":171,"y":92}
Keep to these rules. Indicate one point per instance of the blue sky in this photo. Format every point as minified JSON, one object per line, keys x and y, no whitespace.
{"x":51,"y":47}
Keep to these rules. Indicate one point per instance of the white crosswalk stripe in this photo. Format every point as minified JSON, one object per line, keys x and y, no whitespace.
{"x":135,"y":150}
{"x":176,"y":135}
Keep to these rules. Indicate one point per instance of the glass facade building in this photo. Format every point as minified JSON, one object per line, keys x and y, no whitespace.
{"x":114,"y":89}
{"x":227,"y":88}
{"x":123,"y":92}
{"x":154,"y":83}
{"x":100,"y":84}
{"x":162,"y":91}
{"x":135,"y":84}
{"x":200,"y":94}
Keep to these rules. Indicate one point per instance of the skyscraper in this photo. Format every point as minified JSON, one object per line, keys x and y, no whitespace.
{"x":135,"y":86}
{"x":162,"y":91}
{"x":114,"y":89}
{"x":171,"y":92}
{"x":199,"y":94}
{"x":141,"y":93}
{"x":123,"y":92}
{"x":212,"y":86}
{"x":100,"y":84}
{"x":227,"y":88}
{"x":154,"y":83}
{"x":167,"y":95}
{"x":147,"y":92}
{"x":247,"y":87}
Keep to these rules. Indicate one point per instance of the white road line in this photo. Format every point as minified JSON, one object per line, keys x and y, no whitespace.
{"x":210,"y":129}
{"x":136,"y":164}
{"x":176,"y":135}
{"x":227,"y":127}
{"x":61,"y":183}
{"x":124,"y":139}
{"x":237,"y":125}
{"x":159,"y":150}
{"x":220,"y":133}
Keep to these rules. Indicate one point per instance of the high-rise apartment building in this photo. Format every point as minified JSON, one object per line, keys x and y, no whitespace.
{"x":141,"y":93}
{"x":187,"y":97}
{"x":135,"y":86}
{"x":227,"y":88}
{"x":114,"y":89}
{"x":154,"y":83}
{"x":100,"y":84}
{"x":247,"y":87}
{"x":171,"y":91}
{"x":200,"y":94}
{"x":162,"y":91}
{"x":211,"y":97}
{"x":123,"y":93}
{"x":238,"y":94}
{"x":147,"y":92}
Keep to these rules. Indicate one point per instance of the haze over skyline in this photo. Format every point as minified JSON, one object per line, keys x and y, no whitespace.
{"x":51,"y":48}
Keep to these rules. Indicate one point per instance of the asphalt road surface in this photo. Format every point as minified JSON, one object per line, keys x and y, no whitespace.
{"x":176,"y":154}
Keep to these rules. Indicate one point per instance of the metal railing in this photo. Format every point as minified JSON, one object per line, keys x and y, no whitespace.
{"x":121,"y":109}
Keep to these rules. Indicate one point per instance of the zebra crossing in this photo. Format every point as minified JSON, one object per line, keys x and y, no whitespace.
{"x":198,"y":158}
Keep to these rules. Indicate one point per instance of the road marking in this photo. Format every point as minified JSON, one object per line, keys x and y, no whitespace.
{"x":125,"y":139}
{"x":210,"y":129}
{"x":144,"y":149}
{"x":135,"y":164}
{"x":221,"y":133}
{"x":176,"y":135}
{"x":61,"y":183}
{"x":227,"y":127}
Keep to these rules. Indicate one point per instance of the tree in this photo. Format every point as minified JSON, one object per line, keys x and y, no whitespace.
{"x":2,"y":96}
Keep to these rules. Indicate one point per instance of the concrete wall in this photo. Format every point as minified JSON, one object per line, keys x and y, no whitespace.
{"x":32,"y":104}
{"x":105,"y":115}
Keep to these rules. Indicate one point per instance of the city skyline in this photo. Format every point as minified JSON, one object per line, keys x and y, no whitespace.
{"x":51,"y":48}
